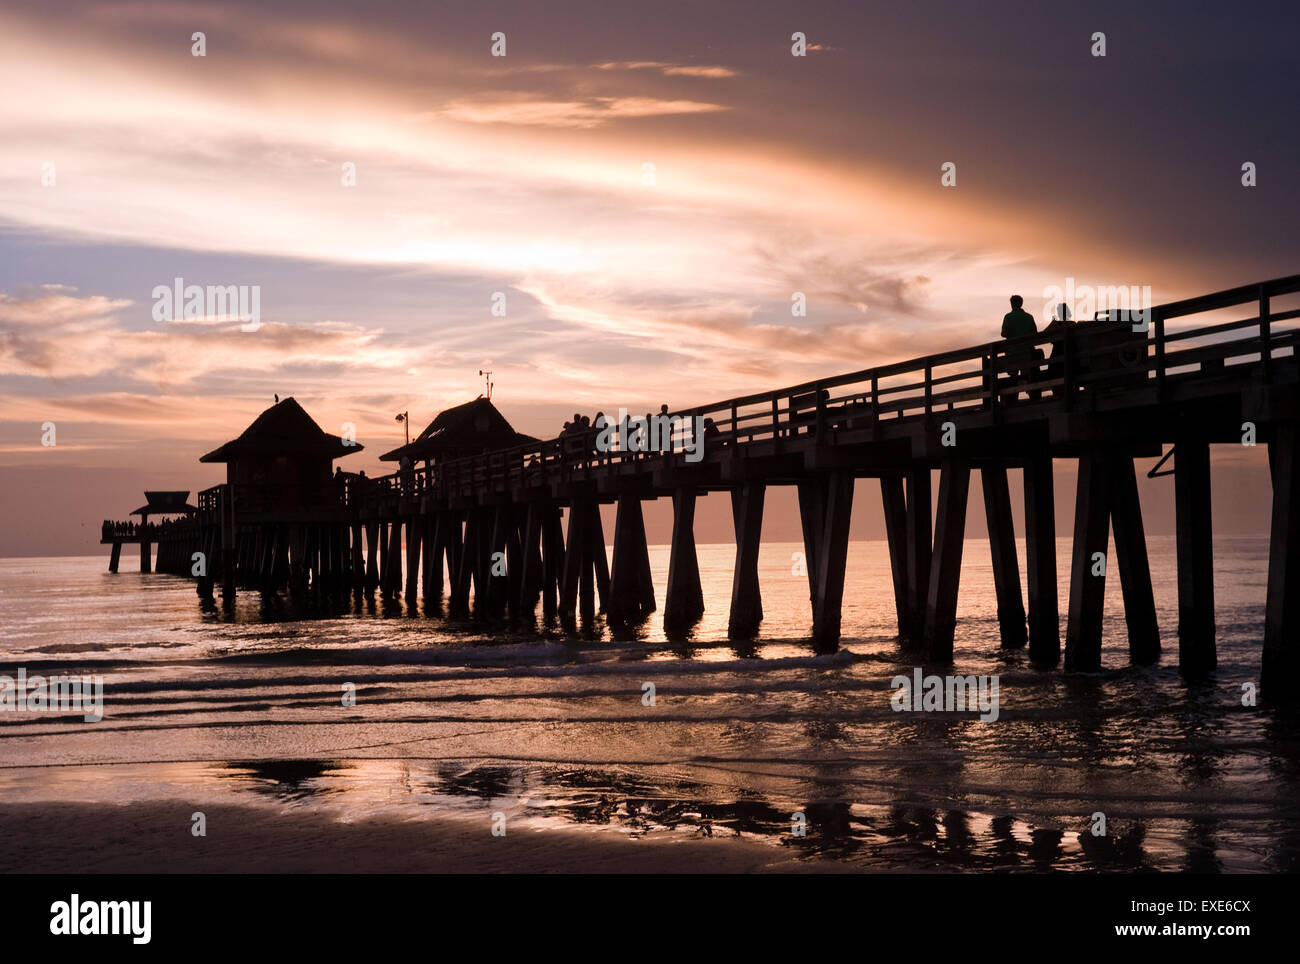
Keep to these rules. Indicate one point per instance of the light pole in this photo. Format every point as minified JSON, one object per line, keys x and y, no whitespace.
{"x":405,"y":419}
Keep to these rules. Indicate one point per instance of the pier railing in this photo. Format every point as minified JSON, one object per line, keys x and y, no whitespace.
{"x":1089,"y":357}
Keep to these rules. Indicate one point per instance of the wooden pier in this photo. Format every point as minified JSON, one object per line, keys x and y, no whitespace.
{"x":510,"y":528}
{"x":176,"y":534}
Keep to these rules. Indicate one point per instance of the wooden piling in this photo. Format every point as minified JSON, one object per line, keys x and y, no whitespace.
{"x":919,"y":551}
{"x":1087,"y":588}
{"x":552,"y":560}
{"x":1134,"y":566}
{"x":597,"y":559}
{"x":373,"y":533}
{"x":894,"y":498}
{"x":1281,"y":658}
{"x":482,"y":569}
{"x":684,"y":599}
{"x":466,"y":558}
{"x":433,"y":549}
{"x":1002,"y":550}
{"x":414,"y":533}
{"x":530,"y":579}
{"x":393,"y":574}
{"x":631,"y":568}
{"x":812,"y":518}
{"x":945,"y":567}
{"x":832,"y":560}
{"x":1040,"y":561}
{"x":1195,"y":541}
{"x":746,"y":597}
{"x":574,"y":555}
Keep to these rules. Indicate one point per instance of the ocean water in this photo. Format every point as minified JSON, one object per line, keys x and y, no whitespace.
{"x":454,"y":719}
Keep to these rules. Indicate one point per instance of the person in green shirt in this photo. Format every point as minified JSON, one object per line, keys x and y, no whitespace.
{"x":1022,"y":362}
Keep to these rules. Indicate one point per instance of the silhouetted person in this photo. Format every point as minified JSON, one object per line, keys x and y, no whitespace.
{"x":711,"y":433}
{"x":1021,"y":362}
{"x":1061,"y":321}
{"x":1017,"y":322}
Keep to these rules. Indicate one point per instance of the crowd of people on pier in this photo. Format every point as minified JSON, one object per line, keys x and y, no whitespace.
{"x":148,"y":531}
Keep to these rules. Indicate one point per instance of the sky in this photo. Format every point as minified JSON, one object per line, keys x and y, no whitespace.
{"x":643,"y":186}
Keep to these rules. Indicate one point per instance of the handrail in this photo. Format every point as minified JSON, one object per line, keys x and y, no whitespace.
{"x":971,"y":378}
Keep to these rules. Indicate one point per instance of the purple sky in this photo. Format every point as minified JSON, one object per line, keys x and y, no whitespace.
{"x":127,"y":162}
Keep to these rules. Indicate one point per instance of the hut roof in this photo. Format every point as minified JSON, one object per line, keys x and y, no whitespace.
{"x":476,"y":426}
{"x":283,"y":429}
{"x":166,"y":503}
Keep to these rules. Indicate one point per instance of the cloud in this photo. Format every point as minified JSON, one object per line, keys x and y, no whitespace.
{"x":714,"y":72}
{"x":62,"y":336}
{"x":526,"y":109}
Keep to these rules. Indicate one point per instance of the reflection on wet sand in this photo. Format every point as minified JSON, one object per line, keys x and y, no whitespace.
{"x":885,"y":837}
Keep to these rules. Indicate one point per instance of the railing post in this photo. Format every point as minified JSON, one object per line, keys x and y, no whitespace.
{"x":991,"y":380}
{"x":1067,"y":369}
{"x":1159,"y":322}
{"x":1265,"y":336}
{"x":929,"y":391}
{"x":821,"y":414}
{"x":875,"y":400}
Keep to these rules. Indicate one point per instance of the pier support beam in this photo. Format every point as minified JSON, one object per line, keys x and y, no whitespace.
{"x":1006,"y":563}
{"x":746,"y":597}
{"x":552,"y":560}
{"x":1087,"y":587}
{"x":482,"y":561}
{"x":832,"y":559}
{"x":575,"y":558}
{"x":945,"y":569}
{"x":146,"y":548}
{"x":895,"y":506}
{"x":393,"y":561}
{"x":684,"y":600}
{"x":463,"y":572}
{"x":600,"y":561}
{"x":413,"y":538}
{"x":1281,"y":659}
{"x":919,"y":552}
{"x":1134,"y":566}
{"x":627,"y":605}
{"x":116,"y":558}
{"x":812,"y":518}
{"x":1040,"y":561}
{"x":372,"y":556}
{"x":433,"y":546}
{"x":499,"y":574}
{"x":1196,"y":648}
{"x":530,"y":580}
